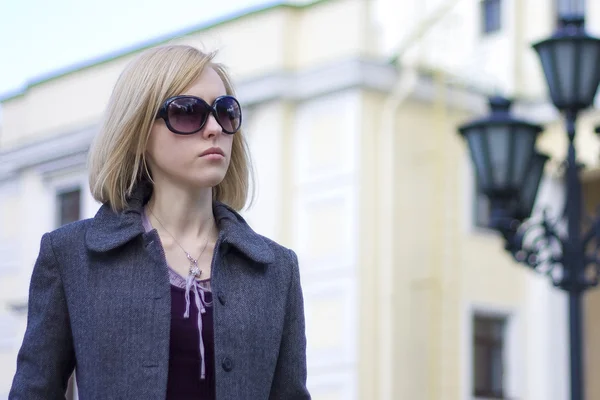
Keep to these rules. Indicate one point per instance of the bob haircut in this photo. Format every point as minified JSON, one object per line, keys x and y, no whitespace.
{"x":117,"y":160}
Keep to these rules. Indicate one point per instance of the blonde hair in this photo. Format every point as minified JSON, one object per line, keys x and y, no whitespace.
{"x":117,"y":160}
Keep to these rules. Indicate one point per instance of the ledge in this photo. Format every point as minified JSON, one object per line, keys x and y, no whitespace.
{"x":68,"y":150}
{"x":46,"y":153}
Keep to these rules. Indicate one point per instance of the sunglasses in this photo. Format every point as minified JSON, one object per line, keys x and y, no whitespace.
{"x":185,"y":115}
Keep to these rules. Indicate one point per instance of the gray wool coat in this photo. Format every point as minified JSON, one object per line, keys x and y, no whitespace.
{"x":99,"y":302}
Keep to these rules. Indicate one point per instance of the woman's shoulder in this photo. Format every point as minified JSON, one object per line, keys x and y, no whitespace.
{"x":70,"y":234}
{"x":281,"y":252}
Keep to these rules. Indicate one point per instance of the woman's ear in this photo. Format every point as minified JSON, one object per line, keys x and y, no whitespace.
{"x":145,"y":172}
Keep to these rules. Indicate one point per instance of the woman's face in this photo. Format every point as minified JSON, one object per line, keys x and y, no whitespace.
{"x":192,"y":160}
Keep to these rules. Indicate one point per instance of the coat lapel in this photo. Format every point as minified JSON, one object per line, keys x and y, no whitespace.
{"x":238,"y":234}
{"x":110,"y":230}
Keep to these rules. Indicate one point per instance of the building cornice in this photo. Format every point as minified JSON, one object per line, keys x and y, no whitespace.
{"x":67,"y":150}
{"x":48,"y":154}
{"x":316,"y":82}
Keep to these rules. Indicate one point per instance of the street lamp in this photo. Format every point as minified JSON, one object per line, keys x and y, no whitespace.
{"x":509,"y":170}
{"x":502,"y":148}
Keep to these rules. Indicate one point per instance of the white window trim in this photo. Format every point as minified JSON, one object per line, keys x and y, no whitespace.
{"x":65,"y":186}
{"x":503,"y":21}
{"x":10,"y":188}
{"x":514,"y":372}
{"x":71,"y":179}
{"x":9,"y":338}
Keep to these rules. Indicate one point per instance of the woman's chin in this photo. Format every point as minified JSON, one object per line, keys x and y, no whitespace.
{"x":194,"y":179}
{"x":207,"y":180}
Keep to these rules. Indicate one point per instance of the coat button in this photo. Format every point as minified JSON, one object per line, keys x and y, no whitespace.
{"x":227,"y":364}
{"x":221,"y":298}
{"x":224,"y":249}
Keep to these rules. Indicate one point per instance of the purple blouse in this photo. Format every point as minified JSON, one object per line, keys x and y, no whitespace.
{"x":192,"y":347}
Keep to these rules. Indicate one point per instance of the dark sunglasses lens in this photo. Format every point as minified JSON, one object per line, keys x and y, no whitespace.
{"x":229,"y":114}
{"x":187,"y":115}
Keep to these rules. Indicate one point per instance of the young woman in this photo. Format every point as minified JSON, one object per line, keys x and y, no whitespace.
{"x":166,"y":292}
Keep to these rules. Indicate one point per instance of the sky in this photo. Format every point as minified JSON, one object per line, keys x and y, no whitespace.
{"x":38,"y":37}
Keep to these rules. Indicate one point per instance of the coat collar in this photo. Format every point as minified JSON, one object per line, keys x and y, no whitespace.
{"x":110,"y":230}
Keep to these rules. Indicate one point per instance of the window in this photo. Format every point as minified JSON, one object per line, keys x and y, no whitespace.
{"x":491,"y":15}
{"x":488,"y":357}
{"x":568,"y":8}
{"x":69,"y":206}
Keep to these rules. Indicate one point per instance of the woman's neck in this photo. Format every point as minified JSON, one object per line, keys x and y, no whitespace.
{"x":183,"y":213}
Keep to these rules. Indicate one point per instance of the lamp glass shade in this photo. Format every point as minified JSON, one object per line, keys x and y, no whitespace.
{"x":477,"y":141}
{"x":499,"y":142}
{"x":570,"y":60}
{"x":501,"y":147}
{"x":531,"y":185}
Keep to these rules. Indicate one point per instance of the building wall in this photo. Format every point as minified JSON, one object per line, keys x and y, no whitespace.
{"x":446,"y":270}
{"x":591,"y":305}
{"x":327,"y":237}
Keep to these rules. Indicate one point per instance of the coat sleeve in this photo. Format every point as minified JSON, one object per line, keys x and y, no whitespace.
{"x":289,"y":382}
{"x":46,"y":358}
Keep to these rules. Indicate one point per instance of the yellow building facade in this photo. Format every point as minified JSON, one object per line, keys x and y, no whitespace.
{"x":359,"y":169}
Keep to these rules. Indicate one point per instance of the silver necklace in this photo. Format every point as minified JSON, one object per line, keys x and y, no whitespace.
{"x":194,"y":268}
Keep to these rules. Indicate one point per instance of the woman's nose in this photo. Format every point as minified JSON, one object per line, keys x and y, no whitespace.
{"x":212,"y":127}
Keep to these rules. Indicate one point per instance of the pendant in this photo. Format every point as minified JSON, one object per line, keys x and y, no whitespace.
{"x":194,"y":269}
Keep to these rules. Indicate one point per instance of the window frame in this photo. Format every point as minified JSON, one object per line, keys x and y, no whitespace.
{"x":516,"y":359}
{"x":491,"y":344}
{"x":574,"y":7}
{"x":58,"y":192}
{"x":491,"y":26}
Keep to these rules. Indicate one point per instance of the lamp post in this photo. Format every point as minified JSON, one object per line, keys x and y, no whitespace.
{"x":509,"y":170}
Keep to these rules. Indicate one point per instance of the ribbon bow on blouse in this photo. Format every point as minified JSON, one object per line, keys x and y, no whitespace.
{"x":201,"y":303}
